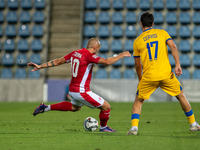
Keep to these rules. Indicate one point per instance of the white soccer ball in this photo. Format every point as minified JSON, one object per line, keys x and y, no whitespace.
{"x":90,"y":124}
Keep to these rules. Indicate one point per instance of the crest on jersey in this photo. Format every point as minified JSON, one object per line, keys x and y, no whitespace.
{"x":95,"y":56}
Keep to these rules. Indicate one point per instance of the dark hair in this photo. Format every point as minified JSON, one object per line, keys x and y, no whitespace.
{"x":147,"y":19}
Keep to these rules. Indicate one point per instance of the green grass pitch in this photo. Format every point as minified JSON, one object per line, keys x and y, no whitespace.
{"x":163,"y":126}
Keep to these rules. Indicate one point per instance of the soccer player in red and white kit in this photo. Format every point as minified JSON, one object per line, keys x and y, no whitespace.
{"x":82,"y":62}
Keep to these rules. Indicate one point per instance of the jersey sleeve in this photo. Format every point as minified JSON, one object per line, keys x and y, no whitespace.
{"x":93,"y":58}
{"x":67,"y":57}
{"x":167,"y":36}
{"x":136,"y":52}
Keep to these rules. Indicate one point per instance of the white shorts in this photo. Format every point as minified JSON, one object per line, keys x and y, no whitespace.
{"x":89,"y":99}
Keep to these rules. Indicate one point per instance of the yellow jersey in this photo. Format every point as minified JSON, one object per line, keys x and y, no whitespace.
{"x":151,"y":47}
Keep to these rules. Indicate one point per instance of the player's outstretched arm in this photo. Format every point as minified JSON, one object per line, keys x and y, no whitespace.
{"x":114,"y":59}
{"x":52,"y":63}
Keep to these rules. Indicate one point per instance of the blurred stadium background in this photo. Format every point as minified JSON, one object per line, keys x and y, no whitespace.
{"x":42,"y":30}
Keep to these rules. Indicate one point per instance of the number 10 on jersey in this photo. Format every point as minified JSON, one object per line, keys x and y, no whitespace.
{"x":149,"y":45}
{"x":74,"y":66}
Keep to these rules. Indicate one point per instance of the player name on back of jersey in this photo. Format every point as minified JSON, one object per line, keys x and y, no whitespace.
{"x":76,"y":54}
{"x":150,"y":37}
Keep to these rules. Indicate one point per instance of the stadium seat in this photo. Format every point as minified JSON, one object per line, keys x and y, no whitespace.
{"x":23,"y":31}
{"x":8,"y":59}
{"x":10,"y":31}
{"x":89,"y":31}
{"x":184,"y":60}
{"x":158,"y":18}
{"x":104,"y":17}
{"x":101,"y":73}
{"x":131,"y":4}
{"x":104,"y":4}
{"x":130,"y":17}
{"x":1,"y":17}
{"x":118,"y":63}
{"x":196,"y":74}
{"x":20,"y":73}
{"x":37,"y":31}
{"x":38,"y":17}
{"x":158,"y":4}
{"x":116,"y":46}
{"x":140,"y":31}
{"x":103,"y":31}
{"x":34,"y":74}
{"x":157,"y":27}
{"x":2,"y":4}
{"x":21,"y":59}
{"x":196,"y":31}
{"x":118,"y":4}
{"x":129,"y":61}
{"x":184,"y":4}
{"x":184,"y":46}
{"x":184,"y":32}
{"x":11,"y":17}
{"x":130,"y":32}
{"x":196,"y":17}
{"x":115,"y":74}
{"x":26,"y":4}
{"x":90,"y":4}
{"x":171,"y":60}
{"x":22,"y":45}
{"x":117,"y":17}
{"x":196,"y":4}
{"x":103,"y":55}
{"x":117,"y":31}
{"x":171,"y":18}
{"x":36,"y":45}
{"x":185,"y":74}
{"x":144,"y":4}
{"x":25,"y":17}
{"x":90,"y":17}
{"x":184,"y":18}
{"x":6,"y":73}
{"x":39,"y":4}
{"x":196,"y":46}
{"x":1,"y":31}
{"x":35,"y":58}
{"x":196,"y":60}
{"x":128,"y":46}
{"x":12,"y":4}
{"x":172,"y":31}
{"x":104,"y":46}
{"x":9,"y":45}
{"x":85,"y":43}
{"x":171,"y":4}
{"x":129,"y":74}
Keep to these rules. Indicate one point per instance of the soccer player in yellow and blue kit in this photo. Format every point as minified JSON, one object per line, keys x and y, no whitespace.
{"x":151,"y":55}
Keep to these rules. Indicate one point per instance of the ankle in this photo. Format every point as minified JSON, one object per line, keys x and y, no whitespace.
{"x":134,"y":128}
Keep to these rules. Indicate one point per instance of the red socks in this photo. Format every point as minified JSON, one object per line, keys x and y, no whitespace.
{"x":63,"y":106}
{"x":104,"y":116}
{"x":67,"y":106}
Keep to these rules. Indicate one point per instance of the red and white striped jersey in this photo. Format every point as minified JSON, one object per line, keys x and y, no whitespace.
{"x":82,"y":62}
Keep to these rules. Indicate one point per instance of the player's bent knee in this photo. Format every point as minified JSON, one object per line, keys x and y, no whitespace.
{"x":105,"y":106}
{"x":75,"y":108}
